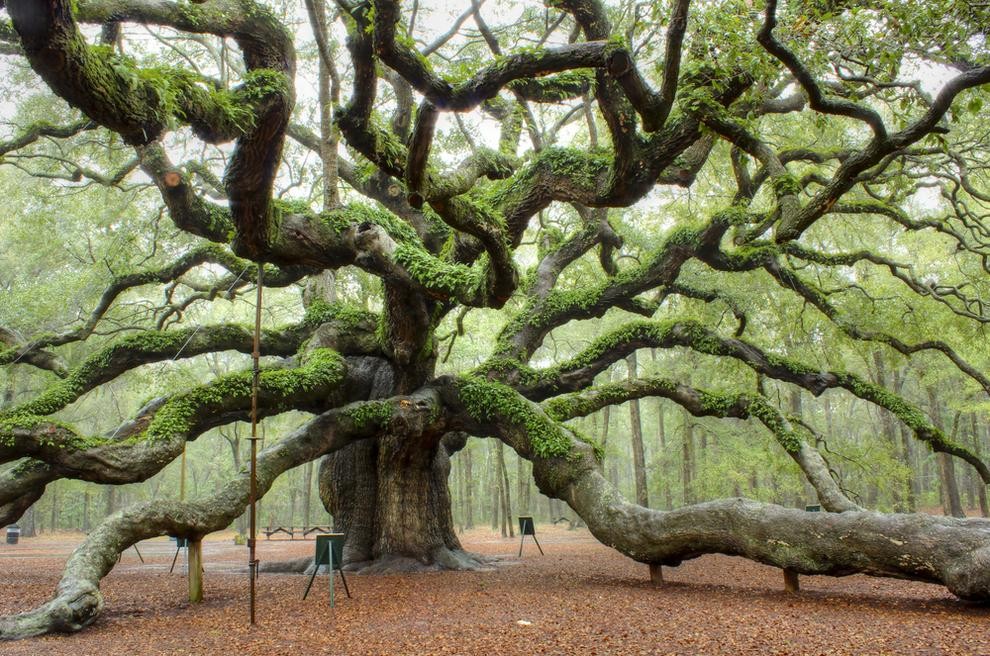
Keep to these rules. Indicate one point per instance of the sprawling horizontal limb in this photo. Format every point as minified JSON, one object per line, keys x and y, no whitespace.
{"x":31,"y":351}
{"x":78,"y":600}
{"x":701,"y":403}
{"x":142,"y":446}
{"x":354,"y":337}
{"x":953,"y":552}
{"x":21,"y":486}
{"x":581,"y":370}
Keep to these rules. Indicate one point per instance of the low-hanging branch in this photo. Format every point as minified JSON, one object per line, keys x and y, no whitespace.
{"x":156,"y":346}
{"x":156,"y":436}
{"x":701,"y":403}
{"x":945,"y":550}
{"x":581,"y":370}
{"x":31,"y":350}
{"x":78,"y":601}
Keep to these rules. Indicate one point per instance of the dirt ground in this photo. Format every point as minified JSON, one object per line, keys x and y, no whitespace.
{"x":579,"y":598}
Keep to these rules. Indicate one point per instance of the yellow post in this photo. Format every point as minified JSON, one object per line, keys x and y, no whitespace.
{"x":791,"y":583}
{"x":656,"y":575}
{"x":195,"y":553}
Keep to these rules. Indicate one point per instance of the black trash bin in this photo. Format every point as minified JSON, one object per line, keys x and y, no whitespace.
{"x":13,"y":534}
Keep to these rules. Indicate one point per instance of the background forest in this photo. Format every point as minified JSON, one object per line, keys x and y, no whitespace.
{"x":77,"y":217}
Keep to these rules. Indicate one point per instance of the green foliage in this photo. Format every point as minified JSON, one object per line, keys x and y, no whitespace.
{"x":491,"y":401}
{"x":324,"y":368}
{"x":349,"y":316}
{"x":370,"y":413}
{"x":433,"y":273}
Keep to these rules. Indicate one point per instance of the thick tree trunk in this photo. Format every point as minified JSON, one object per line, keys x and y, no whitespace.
{"x":348,"y":487}
{"x":391,"y":499}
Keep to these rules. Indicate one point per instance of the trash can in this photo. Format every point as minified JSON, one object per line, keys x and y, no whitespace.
{"x":13,"y":534}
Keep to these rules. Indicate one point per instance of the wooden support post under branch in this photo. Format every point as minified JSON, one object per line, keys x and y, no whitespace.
{"x":791,"y":582}
{"x":195,"y":554}
{"x":656,"y":575}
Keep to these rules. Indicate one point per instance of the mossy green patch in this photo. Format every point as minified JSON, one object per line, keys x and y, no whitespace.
{"x":491,"y":401}
{"x":370,"y":413}
{"x":433,"y":273}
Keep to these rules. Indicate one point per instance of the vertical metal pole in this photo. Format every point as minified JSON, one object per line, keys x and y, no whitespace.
{"x":255,"y":355}
{"x":330,"y":567}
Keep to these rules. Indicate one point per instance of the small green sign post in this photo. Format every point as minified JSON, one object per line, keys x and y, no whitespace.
{"x":527,"y":527}
{"x":180,"y":544}
{"x":329,"y":552}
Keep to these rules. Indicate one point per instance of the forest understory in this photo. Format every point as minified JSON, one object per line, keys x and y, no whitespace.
{"x":580,"y":598}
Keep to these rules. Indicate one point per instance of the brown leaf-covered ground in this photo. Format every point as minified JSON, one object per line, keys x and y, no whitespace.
{"x":580,"y":598}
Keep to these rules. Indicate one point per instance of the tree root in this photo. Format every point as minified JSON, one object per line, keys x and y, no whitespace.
{"x":442,"y":560}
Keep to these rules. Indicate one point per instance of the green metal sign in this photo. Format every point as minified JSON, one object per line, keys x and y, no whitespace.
{"x":329,"y":552}
{"x":527,"y":527}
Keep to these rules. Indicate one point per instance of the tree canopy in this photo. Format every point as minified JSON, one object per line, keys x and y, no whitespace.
{"x":489,"y":210}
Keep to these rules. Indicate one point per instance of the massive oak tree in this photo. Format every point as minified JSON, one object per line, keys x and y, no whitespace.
{"x":506,"y":165}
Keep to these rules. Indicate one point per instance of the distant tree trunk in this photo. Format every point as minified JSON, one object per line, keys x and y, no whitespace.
{"x":797,"y":409}
{"x":7,"y":398}
{"x":981,"y":489}
{"x":827,"y":409}
{"x":951,"y":504}
{"x":495,"y":490}
{"x":307,"y":509}
{"x":687,"y":458}
{"x":53,"y":490}
{"x":457,"y":468}
{"x":636,"y":434}
{"x":234,"y":441}
{"x":613,"y":468}
{"x":506,"y":496}
{"x":668,"y":501}
{"x":293,"y":495}
{"x":522,"y":482}
{"x":29,"y":527}
{"x":889,"y":430}
{"x":911,"y":490}
{"x":85,"y":512}
{"x":469,"y":490}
